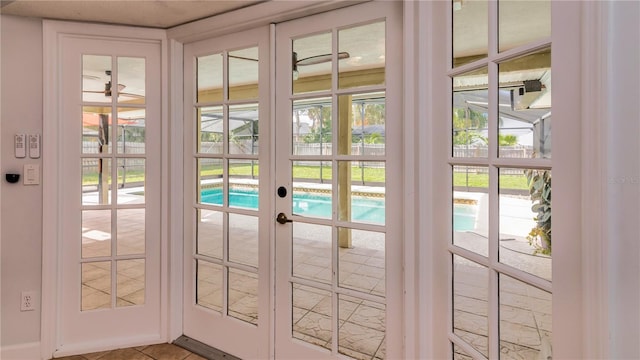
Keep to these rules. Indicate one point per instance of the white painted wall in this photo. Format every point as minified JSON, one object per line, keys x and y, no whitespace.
{"x":21,"y":237}
{"x":624,"y":179}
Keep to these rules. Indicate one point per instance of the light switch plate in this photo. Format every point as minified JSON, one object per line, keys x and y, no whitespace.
{"x":31,"y":174}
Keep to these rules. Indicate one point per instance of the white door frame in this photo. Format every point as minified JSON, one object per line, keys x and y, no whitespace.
{"x":53,"y":32}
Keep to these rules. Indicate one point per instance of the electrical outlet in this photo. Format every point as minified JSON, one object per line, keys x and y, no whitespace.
{"x":28,"y":301}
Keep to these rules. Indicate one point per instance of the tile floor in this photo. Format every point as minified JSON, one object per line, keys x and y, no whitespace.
{"x":151,"y":352}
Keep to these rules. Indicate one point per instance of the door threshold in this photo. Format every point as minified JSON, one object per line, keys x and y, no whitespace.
{"x":203,"y":349}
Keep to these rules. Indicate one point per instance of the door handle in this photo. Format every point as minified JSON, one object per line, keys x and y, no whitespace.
{"x":282,"y":218}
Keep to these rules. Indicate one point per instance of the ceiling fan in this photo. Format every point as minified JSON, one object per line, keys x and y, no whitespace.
{"x":311,"y":60}
{"x":108,"y":87}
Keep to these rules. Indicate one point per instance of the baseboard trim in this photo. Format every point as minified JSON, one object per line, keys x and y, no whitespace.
{"x":26,"y":351}
{"x":107,"y":344}
{"x":202,"y":349}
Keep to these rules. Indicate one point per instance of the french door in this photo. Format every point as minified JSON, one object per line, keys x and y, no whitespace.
{"x":226,"y":249}
{"x":338,"y":213}
{"x":293,"y":244}
{"x":110,"y":154}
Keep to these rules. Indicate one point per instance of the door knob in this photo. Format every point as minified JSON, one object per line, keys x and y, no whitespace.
{"x":282,"y":218}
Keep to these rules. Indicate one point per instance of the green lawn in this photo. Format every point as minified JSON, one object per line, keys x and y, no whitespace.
{"x":517,"y":182}
{"x":299,"y":172}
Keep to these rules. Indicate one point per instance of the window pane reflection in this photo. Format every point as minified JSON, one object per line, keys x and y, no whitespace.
{"x":361,"y":54}
{"x":243,"y":296}
{"x":361,"y":260}
{"x":470,"y":114}
{"x":96,"y":181}
{"x":243,"y":74}
{"x":361,"y":191}
{"x":130,"y":282}
{"x":312,"y":63}
{"x":96,"y":285}
{"x":470,"y":31}
{"x":525,"y":220}
{"x":471,"y":208}
{"x":312,"y":127}
{"x":131,"y":131}
{"x":311,"y":315}
{"x":209,"y":285}
{"x":209,"y":78}
{"x":131,"y":80}
{"x":96,"y":130}
{"x":243,"y":129}
{"x":361,"y":124}
{"x":210,"y":130}
{"x":521,"y":22}
{"x":131,"y":181}
{"x":96,"y":233}
{"x":525,"y":320}
{"x":311,"y":252}
{"x":96,"y":78}
{"x":362,"y":331}
{"x":525,"y":107}
{"x":470,"y":303}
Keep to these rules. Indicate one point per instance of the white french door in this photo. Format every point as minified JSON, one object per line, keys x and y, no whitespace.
{"x":226,"y":249}
{"x":338,"y":237}
{"x":329,"y":283}
{"x":109,"y":255}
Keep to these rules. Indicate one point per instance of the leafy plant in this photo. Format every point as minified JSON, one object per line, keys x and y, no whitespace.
{"x":539,"y":183}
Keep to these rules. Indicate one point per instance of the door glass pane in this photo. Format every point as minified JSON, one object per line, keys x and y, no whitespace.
{"x":525,"y":106}
{"x":131,"y":231}
{"x":209,"y":285}
{"x":209,"y":233}
{"x":361,"y":54}
{"x":209,"y":78}
{"x":525,"y":321}
{"x":209,"y":181}
{"x":361,"y":260}
{"x":243,"y":74}
{"x":130,"y":283}
{"x":243,"y":296}
{"x":243,"y":129}
{"x":311,"y":315}
{"x":471,"y":208}
{"x":96,"y":285}
{"x":361,"y":191}
{"x":521,"y":22}
{"x":470,"y":303}
{"x":362,"y":331}
{"x":525,"y":220}
{"x":131,"y":181}
{"x":96,"y":233}
{"x":361,"y":124}
{"x":96,"y":125}
{"x":243,"y":239}
{"x":312,"y":127}
{"x":312,"y":192}
{"x":243,"y":184}
{"x":131,"y":131}
{"x":96,"y":181}
{"x":96,"y":78}
{"x":312,"y":63}
{"x":210,"y":126}
{"x":131,"y":80}
{"x":470,"y":31}
{"x":311,"y":252}
{"x":470,"y":114}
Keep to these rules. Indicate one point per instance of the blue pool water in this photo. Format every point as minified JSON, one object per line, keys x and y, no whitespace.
{"x":370,"y":210}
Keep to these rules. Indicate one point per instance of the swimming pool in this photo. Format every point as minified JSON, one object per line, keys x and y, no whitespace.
{"x":363,"y":209}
